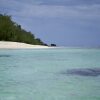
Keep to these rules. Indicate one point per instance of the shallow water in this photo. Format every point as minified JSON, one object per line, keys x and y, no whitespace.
{"x":50,"y":74}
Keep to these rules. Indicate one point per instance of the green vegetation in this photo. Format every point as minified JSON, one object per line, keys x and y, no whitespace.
{"x":11,"y":31}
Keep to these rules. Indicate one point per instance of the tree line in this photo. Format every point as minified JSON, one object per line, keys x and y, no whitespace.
{"x":11,"y":31}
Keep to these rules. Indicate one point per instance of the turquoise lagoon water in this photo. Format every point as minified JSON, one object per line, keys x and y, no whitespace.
{"x":50,"y":74}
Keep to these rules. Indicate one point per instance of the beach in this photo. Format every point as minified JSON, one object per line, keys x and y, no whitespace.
{"x":18,"y":45}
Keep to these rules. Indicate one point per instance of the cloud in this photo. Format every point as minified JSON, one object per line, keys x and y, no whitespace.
{"x":70,"y":2}
{"x":69,"y":13}
{"x":37,"y":9}
{"x":40,"y":8}
{"x":62,"y":2}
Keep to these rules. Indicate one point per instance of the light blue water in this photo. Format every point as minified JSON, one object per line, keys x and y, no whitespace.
{"x":42,"y":74}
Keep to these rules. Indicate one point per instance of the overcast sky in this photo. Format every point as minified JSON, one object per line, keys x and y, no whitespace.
{"x":63,"y":22}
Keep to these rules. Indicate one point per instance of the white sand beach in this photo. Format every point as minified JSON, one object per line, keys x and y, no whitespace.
{"x":18,"y":45}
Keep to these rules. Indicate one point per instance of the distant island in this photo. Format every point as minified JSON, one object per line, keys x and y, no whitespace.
{"x":11,"y":31}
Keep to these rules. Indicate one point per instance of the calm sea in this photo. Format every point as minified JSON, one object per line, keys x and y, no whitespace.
{"x":50,"y":74}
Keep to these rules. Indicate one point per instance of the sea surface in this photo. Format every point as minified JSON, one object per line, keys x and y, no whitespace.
{"x":50,"y":74}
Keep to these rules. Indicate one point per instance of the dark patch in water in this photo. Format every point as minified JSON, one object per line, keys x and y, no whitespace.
{"x":83,"y":72}
{"x":4,"y":56}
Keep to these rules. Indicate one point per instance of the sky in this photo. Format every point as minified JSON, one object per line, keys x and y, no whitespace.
{"x":63,"y":22}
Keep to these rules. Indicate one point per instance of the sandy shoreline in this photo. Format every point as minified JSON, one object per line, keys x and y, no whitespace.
{"x":18,"y":45}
